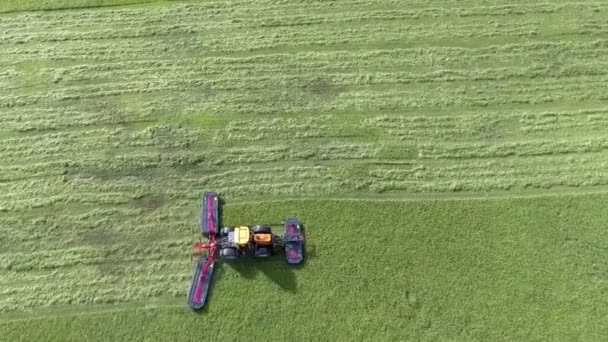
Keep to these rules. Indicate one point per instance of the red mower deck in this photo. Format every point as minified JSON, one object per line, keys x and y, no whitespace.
{"x":253,"y":241}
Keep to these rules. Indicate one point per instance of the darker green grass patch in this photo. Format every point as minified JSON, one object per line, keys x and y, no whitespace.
{"x":148,"y":202}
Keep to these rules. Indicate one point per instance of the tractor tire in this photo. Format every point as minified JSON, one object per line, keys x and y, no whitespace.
{"x":224,"y":232}
{"x":228,"y":253}
{"x":263,"y":252}
{"x":261,"y":229}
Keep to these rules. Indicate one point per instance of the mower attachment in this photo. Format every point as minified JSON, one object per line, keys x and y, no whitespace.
{"x":200,"y":283}
{"x":209,"y":218}
{"x":235,"y":242}
{"x":204,"y":268}
{"x":293,"y":240}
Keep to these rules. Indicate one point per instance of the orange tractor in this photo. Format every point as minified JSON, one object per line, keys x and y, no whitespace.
{"x":234,"y":242}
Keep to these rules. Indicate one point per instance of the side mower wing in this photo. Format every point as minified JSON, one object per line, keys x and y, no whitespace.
{"x":209,"y":218}
{"x":293,"y":240}
{"x":199,"y":288}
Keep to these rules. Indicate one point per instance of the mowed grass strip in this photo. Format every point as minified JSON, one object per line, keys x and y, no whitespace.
{"x":515,"y":269}
{"x":34,"y":5}
{"x":170,"y":99}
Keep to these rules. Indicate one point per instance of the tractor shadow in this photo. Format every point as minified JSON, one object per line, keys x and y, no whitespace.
{"x":274,"y":268}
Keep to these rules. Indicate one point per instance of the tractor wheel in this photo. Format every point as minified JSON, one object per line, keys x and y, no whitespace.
{"x":224,"y":232}
{"x":261,"y":229}
{"x":228,"y":253}
{"x":263,"y":252}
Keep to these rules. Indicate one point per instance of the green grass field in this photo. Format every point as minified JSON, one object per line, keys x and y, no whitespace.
{"x":449,"y":160}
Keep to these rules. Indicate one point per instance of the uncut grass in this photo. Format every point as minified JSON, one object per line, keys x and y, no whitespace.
{"x":451,"y":269}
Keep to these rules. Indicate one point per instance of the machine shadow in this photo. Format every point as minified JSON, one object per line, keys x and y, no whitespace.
{"x":274,"y":268}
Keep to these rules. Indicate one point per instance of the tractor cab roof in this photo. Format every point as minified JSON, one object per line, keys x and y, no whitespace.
{"x":240,"y":236}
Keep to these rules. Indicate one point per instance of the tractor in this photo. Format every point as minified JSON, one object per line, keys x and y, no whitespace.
{"x":235,"y":242}
{"x":256,"y":241}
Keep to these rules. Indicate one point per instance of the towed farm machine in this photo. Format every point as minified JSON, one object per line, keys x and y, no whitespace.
{"x":232,"y":243}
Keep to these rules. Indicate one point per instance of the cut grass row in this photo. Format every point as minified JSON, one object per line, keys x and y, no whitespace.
{"x":54,"y":125}
{"x":51,"y":130}
{"x":415,"y":59}
{"x":187,"y":28}
{"x":451,"y":269}
{"x":35,"y":5}
{"x":117,"y":180}
{"x":270,"y":14}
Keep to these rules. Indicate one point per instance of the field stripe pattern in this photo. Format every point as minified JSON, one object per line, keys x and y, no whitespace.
{"x":113,"y":120}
